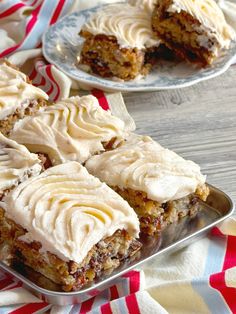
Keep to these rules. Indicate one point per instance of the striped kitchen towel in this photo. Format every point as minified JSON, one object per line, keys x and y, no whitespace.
{"x":198,"y":279}
{"x":17,"y":300}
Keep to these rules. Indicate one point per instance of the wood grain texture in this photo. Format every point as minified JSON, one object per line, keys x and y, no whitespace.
{"x":198,"y":122}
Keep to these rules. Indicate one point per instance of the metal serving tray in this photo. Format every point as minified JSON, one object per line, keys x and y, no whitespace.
{"x":218,"y":207}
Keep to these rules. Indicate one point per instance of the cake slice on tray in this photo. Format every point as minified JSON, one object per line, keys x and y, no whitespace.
{"x":17,"y":164}
{"x":69,"y":226}
{"x":71,"y":130}
{"x":18,"y":97}
{"x":160,"y":185}
{"x":195,"y":29}
{"x":119,"y":42}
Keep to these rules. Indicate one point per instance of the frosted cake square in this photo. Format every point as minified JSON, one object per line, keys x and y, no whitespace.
{"x":18,"y":97}
{"x":73,"y":129}
{"x":69,"y":226}
{"x":160,"y":185}
{"x":119,"y":42}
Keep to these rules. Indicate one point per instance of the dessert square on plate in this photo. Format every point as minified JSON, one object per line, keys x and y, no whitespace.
{"x":196,"y":30}
{"x":119,"y":42}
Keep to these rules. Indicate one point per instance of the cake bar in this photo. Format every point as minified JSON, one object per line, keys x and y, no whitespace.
{"x":118,"y":42}
{"x":74,"y":129}
{"x":69,"y":226}
{"x":18,"y":97}
{"x":160,"y":185}
{"x":195,"y":29}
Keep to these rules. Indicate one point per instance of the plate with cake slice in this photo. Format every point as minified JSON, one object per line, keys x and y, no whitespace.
{"x":142,"y":45}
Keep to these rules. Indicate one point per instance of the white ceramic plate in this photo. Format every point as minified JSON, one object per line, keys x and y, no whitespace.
{"x":61,"y":44}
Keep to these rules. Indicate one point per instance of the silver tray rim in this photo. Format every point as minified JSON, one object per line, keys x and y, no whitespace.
{"x":50,"y":293}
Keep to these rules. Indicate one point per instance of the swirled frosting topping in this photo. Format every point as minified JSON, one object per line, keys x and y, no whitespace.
{"x":15,"y":91}
{"x":144,"y":165}
{"x":129,"y":24}
{"x":73,"y":129}
{"x":69,"y":211}
{"x":16,"y":163}
{"x":210,"y":16}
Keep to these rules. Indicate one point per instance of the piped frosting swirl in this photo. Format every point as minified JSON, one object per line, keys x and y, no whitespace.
{"x":130,"y":25}
{"x":144,"y":165}
{"x":69,"y":211}
{"x":15,"y":91}
{"x":16,"y":163}
{"x":73,"y":129}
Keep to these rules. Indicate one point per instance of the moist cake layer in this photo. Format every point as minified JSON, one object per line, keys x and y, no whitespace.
{"x":73,"y":129}
{"x":111,"y":60}
{"x":154,"y":216}
{"x":195,"y":30}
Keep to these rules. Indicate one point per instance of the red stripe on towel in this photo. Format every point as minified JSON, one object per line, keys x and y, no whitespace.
{"x":49,"y":73}
{"x":5,"y":282}
{"x":11,"y":10}
{"x":216,"y":232}
{"x":217,"y":281}
{"x":132,"y":304}
{"x":86,"y":306}
{"x":57,"y":11}
{"x":106,"y":309}
{"x":41,"y":83}
{"x":114,"y":294}
{"x":29,"y":308}
{"x":134,"y":280}
{"x":16,"y":285}
{"x":29,"y":27}
{"x":230,"y":255}
{"x":101,"y":98}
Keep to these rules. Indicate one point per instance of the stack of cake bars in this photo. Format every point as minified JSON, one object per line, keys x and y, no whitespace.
{"x":76,"y":189}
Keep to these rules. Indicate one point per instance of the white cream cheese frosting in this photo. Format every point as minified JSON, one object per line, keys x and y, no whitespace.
{"x":211,"y":17}
{"x":16,"y":163}
{"x":72,"y":130}
{"x":15,"y":92}
{"x":144,"y":165}
{"x":69,"y":211}
{"x":129,"y":24}
{"x":147,"y":5}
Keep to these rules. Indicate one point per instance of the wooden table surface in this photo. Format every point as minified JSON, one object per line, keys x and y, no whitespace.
{"x":198,"y":122}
